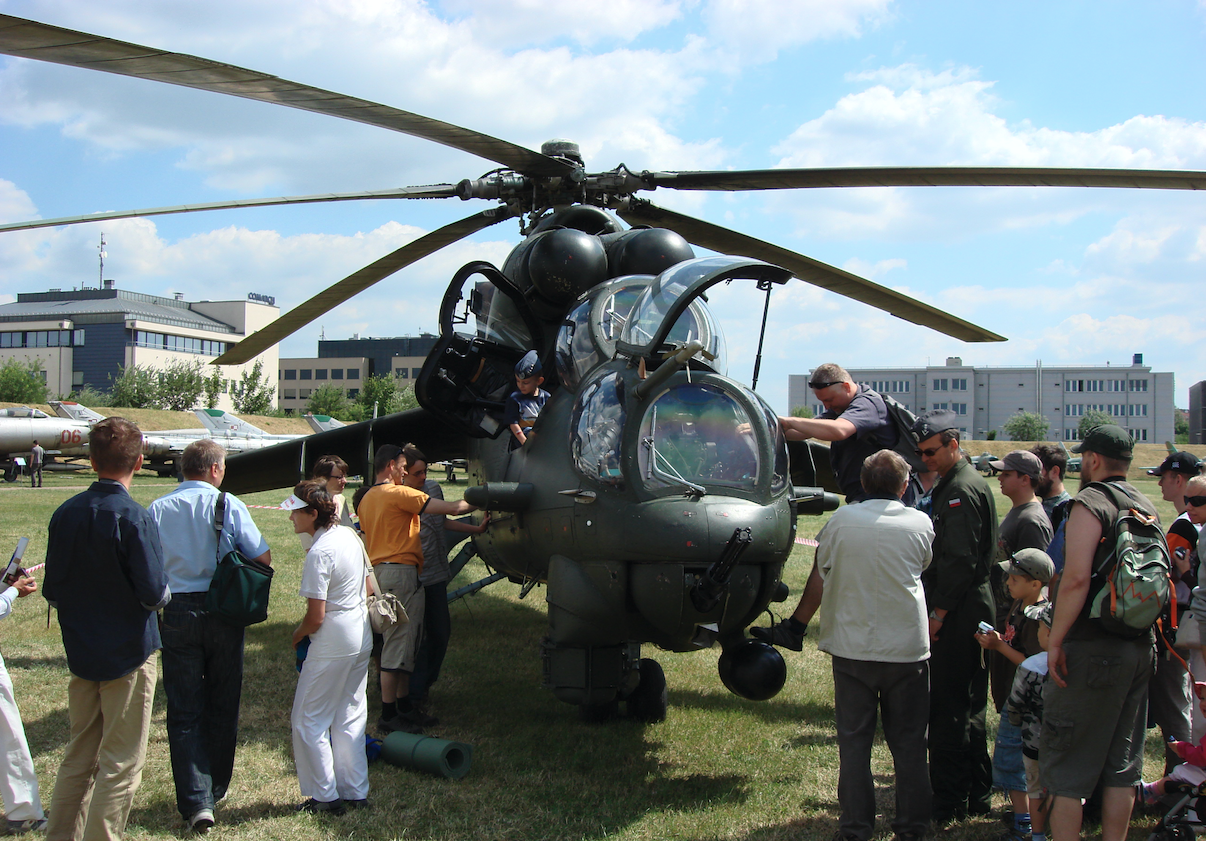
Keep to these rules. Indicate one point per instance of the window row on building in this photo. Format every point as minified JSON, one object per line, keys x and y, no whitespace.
{"x":181,"y":344}
{"x":406,"y":374}
{"x":1073,"y":434}
{"x":42,"y":338}
{"x":957,"y":408}
{"x":884,"y":386}
{"x":1118,"y":410}
{"x":950,"y":384}
{"x":304,"y":393}
{"x":1106,"y":385}
{"x":319,"y":374}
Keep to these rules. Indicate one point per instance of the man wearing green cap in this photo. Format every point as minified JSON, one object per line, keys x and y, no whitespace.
{"x":1095,"y":710}
{"x":959,"y":596}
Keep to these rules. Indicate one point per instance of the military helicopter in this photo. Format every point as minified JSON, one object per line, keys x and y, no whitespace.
{"x":657,"y":499}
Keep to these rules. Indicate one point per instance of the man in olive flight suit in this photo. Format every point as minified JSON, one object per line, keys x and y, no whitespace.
{"x":959,"y":597}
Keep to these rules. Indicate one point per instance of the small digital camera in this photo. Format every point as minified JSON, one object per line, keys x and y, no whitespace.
{"x":985,"y":628}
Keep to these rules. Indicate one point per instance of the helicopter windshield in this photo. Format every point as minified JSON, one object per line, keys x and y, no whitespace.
{"x":588,"y":335}
{"x":672,"y":309}
{"x":502,"y":322}
{"x":690,"y":438}
{"x":597,"y":429}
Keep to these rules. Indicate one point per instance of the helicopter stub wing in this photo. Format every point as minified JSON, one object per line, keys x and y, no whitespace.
{"x":927,"y":176}
{"x":355,"y":283}
{"x":284,"y":465}
{"x":808,"y":270}
{"x":810,"y":466}
{"x":40,"y":41}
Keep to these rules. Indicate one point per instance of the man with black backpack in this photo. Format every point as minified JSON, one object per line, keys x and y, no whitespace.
{"x":857,"y":422}
{"x":1095,"y":709}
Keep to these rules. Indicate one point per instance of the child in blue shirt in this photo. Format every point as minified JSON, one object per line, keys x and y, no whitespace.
{"x":525,"y":403}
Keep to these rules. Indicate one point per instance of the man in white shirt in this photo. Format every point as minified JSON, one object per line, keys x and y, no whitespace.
{"x":870,"y":556}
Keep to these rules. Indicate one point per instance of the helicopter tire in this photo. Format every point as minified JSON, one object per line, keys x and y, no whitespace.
{"x":648,"y":702}
{"x":10,"y":474}
{"x":599,"y":713}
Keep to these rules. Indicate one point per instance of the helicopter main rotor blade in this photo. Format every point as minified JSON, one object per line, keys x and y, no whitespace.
{"x":434,"y":191}
{"x":356,"y":283}
{"x":30,"y":39}
{"x":809,"y":270}
{"x":927,"y":176}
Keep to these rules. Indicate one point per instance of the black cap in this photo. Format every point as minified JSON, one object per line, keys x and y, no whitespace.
{"x":1180,"y":462}
{"x":1108,"y":440}
{"x":931,"y":423}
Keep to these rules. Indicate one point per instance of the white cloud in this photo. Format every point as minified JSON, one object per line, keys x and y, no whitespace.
{"x":758,"y":29}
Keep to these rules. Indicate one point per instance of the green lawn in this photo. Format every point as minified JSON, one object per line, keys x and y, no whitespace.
{"x":717,"y":768}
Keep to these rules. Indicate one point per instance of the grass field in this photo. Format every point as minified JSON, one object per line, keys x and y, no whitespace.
{"x":717,"y":768}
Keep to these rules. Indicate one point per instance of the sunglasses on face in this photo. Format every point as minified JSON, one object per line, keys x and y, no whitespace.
{"x":1195,"y":501}
{"x":819,"y":386}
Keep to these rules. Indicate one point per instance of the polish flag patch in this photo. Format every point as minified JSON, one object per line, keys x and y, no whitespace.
{"x":954,"y":503}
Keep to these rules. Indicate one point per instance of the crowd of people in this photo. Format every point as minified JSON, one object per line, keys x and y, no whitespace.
{"x":931,"y":607}
{"x":928,"y":604}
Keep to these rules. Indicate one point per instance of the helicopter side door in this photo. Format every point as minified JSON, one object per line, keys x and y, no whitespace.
{"x":470,"y":371}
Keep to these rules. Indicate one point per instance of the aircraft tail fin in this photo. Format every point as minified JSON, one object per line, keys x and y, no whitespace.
{"x":223,"y":424}
{"x":1172,"y":450}
{"x":74,"y":411}
{"x":323,"y":423}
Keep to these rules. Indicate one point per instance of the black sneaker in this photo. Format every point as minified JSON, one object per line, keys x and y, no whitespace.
{"x":356,"y":804}
{"x":334,"y":808}
{"x":419,"y":718}
{"x":781,"y":634}
{"x":397,"y":724}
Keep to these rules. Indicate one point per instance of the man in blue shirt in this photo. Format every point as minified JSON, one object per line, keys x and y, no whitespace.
{"x":104,"y":574}
{"x":202,"y":655}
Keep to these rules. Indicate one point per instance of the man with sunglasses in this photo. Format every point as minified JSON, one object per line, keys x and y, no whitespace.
{"x":959,"y":596}
{"x":1169,"y":695}
{"x":856,"y":423}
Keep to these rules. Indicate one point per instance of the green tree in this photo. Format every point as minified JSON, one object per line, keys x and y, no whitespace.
{"x":1026,"y":426}
{"x":380,"y":391}
{"x":136,"y":387}
{"x":23,"y":382}
{"x":330,"y":400}
{"x":1091,"y":420}
{"x":252,"y":394}
{"x":90,"y":397}
{"x":407,"y":399}
{"x":181,"y":385}
{"x":1180,"y":426}
{"x":801,"y":412}
{"x":213,"y":387}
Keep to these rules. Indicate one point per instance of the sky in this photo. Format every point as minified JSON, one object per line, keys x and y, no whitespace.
{"x":1069,"y":275}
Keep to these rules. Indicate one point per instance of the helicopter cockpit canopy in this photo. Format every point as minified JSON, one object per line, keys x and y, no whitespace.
{"x":672,"y":311}
{"x":588,"y":335}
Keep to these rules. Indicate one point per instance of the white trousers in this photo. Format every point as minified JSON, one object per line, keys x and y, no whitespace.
{"x":18,"y":782}
{"x":330,"y":712}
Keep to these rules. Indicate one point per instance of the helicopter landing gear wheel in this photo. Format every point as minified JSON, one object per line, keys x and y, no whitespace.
{"x":10,"y":474}
{"x":649,"y":700}
{"x":599,"y":713}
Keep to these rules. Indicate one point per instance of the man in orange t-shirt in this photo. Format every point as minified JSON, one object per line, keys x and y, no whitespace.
{"x":389,"y":517}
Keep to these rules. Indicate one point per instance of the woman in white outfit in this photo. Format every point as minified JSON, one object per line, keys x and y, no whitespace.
{"x":330,"y":709}
{"x":331,"y":472}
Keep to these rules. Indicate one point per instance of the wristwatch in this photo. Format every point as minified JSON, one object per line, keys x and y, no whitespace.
{"x":934,"y":615}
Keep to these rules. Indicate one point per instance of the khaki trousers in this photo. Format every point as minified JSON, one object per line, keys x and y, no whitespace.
{"x":102,"y":765}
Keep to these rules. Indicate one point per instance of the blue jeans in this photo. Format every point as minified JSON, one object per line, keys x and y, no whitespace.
{"x":203,"y":679}
{"x":1008,"y":771}
{"x":437,"y":630}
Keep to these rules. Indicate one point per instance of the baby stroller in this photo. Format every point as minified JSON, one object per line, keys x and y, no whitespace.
{"x":1184,"y":820}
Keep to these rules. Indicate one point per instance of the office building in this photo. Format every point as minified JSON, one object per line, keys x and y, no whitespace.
{"x":84,"y":337}
{"x":347,"y":363}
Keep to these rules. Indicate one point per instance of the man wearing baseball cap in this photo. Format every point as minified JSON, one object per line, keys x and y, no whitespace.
{"x":959,"y":596}
{"x":1094,"y":718}
{"x":1170,"y":696}
{"x":1025,"y":528}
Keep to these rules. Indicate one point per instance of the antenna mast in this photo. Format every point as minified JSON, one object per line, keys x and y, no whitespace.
{"x":101,"y":248}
